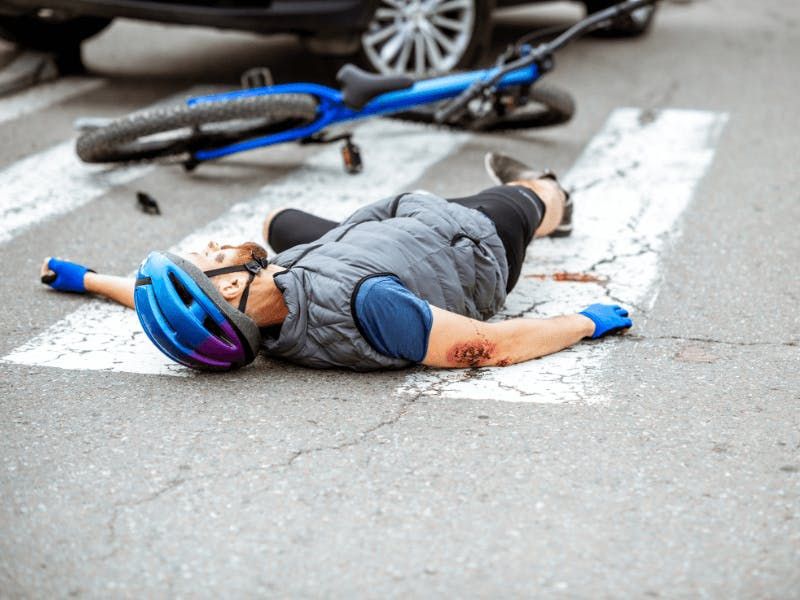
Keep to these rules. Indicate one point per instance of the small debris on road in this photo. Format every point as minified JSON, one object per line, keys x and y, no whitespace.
{"x":147,"y":204}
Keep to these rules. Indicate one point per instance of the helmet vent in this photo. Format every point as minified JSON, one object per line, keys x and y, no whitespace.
{"x":183,"y":293}
{"x":211,"y":325}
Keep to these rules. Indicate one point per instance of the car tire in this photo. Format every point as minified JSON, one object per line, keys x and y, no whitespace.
{"x":636,"y":23}
{"x":50,"y":36}
{"x":423,"y":40}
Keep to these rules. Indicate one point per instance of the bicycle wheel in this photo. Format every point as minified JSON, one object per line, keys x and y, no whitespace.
{"x":547,"y":106}
{"x":182,"y":129}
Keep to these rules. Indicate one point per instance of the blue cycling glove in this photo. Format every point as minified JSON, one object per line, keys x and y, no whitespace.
{"x":608,"y":318}
{"x":68,"y":276}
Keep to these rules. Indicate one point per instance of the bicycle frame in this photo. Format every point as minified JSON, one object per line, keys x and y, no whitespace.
{"x":332,"y":110}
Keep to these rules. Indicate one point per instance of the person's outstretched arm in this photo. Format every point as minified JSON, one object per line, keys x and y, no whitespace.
{"x":458,"y":341}
{"x":66,"y":276}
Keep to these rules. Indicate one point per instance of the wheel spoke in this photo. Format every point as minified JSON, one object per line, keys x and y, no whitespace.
{"x":446,"y":43}
{"x":392,"y":47}
{"x":419,"y":55}
{"x":380,"y":35}
{"x":449,"y":5}
{"x":448,"y":23}
{"x":432,"y":51}
{"x":386,"y":13}
{"x":402,"y":60}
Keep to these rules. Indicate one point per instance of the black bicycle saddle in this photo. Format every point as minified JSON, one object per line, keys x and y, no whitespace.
{"x":360,"y":86}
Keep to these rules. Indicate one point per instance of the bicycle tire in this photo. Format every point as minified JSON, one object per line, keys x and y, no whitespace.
{"x":548,"y":106}
{"x":121,"y":140}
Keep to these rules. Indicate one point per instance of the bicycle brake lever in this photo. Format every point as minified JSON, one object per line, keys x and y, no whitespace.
{"x":508,"y":54}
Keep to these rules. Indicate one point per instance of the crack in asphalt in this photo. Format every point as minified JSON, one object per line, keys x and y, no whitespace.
{"x":791,"y":344}
{"x":111,"y":525}
{"x":404,"y":408}
{"x":645,"y":247}
{"x":525,"y":311}
{"x":619,"y":173}
{"x":176,"y":482}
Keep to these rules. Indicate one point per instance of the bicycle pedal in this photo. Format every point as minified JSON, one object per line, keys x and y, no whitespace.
{"x":351,"y":155}
{"x":256,"y":78}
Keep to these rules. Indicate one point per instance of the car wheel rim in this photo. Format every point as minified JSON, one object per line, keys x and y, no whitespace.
{"x":419,"y":37}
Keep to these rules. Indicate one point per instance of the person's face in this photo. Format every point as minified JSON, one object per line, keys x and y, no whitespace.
{"x":214,"y":256}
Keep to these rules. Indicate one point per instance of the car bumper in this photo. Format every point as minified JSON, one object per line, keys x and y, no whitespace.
{"x":300,"y":16}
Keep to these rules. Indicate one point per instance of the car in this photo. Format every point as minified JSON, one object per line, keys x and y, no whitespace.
{"x":419,"y":37}
{"x":413,"y":37}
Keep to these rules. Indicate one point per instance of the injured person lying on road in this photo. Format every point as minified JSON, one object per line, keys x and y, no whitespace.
{"x":409,"y":279}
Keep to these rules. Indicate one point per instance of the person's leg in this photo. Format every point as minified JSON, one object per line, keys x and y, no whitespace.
{"x":506,"y":170}
{"x":285,"y":228}
{"x":553,"y":197}
{"x":517,"y":212}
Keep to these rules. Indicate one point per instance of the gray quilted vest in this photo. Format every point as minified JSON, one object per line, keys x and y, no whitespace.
{"x":444,"y":253}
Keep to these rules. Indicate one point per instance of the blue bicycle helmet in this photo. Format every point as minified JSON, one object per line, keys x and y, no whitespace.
{"x":187,"y":318}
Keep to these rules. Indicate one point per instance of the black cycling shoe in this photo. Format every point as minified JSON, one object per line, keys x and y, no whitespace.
{"x":503,"y":169}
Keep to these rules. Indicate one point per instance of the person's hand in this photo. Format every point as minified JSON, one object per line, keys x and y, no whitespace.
{"x":63,"y":275}
{"x":607,"y":318}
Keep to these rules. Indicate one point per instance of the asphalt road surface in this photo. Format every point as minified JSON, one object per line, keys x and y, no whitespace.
{"x":663,"y":463}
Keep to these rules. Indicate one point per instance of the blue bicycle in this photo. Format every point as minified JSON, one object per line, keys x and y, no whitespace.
{"x":210,"y":127}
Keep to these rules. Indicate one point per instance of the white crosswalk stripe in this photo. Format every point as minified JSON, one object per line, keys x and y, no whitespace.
{"x":47,"y":94}
{"x":631,"y":185}
{"x":103,"y":336}
{"x":54,"y":181}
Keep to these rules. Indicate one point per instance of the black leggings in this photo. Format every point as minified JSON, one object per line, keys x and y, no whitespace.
{"x":516,"y":212}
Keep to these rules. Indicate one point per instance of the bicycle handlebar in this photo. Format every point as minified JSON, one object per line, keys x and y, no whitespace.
{"x":596,"y":21}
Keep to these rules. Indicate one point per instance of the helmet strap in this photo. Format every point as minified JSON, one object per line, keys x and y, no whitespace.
{"x":253,"y":268}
